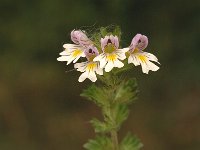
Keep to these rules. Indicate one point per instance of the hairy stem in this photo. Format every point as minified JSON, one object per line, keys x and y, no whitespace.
{"x":114,"y":140}
{"x":113,"y":132}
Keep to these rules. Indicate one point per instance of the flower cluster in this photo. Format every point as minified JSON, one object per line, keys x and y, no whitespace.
{"x":107,"y":56}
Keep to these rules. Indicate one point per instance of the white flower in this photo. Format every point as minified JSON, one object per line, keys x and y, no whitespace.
{"x":73,"y":52}
{"x":111,"y":54}
{"x":139,"y":57}
{"x":89,"y":68}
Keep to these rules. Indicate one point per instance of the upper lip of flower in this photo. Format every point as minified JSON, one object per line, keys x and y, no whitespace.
{"x":109,"y":43}
{"x":91,"y":52}
{"x":139,"y":42}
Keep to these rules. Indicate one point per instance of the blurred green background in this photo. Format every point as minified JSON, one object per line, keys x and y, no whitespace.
{"x":40,"y":106}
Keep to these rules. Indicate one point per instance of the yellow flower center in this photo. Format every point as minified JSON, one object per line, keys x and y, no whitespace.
{"x":76,"y":52}
{"x":111,"y":57}
{"x":91,"y":66}
{"x":142,"y":58}
{"x":109,"y":48}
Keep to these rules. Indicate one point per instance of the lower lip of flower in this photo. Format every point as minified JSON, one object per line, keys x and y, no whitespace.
{"x":111,"y":57}
{"x":91,"y":66}
{"x":76,"y":52}
{"x":142,"y":58}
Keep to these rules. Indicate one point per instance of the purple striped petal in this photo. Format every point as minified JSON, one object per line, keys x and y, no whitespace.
{"x":91,"y":51}
{"x":109,"y":40}
{"x":139,"y":41}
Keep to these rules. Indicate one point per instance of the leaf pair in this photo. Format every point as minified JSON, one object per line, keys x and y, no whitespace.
{"x":104,"y":143}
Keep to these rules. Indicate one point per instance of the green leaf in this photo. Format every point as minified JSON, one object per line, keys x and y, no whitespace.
{"x":130,"y":143}
{"x":103,"y":31}
{"x":98,"y":95}
{"x":118,"y":114}
{"x":126,"y":91}
{"x":121,"y":113}
{"x":100,"y":127}
{"x":109,"y":80}
{"x":99,"y":143}
{"x":112,"y":29}
{"x":117,"y":32}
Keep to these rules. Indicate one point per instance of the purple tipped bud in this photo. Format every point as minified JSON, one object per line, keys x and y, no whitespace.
{"x":80,"y":38}
{"x":75,"y":36}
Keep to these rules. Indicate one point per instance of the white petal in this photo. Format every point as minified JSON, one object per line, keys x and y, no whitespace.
{"x":109,"y":66}
{"x":69,"y":46}
{"x":144,"y":68}
{"x":82,"y":69}
{"x":77,"y":65}
{"x":99,"y":70}
{"x":99,"y":57}
{"x":126,"y":49}
{"x":65,"y":52}
{"x":121,"y":54}
{"x":80,"y":66}
{"x":118,"y":64}
{"x":151,"y":57}
{"x":83,"y":54}
{"x":83,"y":77}
{"x":130,"y":59}
{"x":70,"y":60}
{"x":134,"y":59}
{"x":66,"y":45}
{"x":92,"y":76}
{"x":103,"y":62}
{"x":143,"y":63}
{"x":62,"y":58}
{"x":102,"y":59}
{"x":76,"y":59}
{"x":152,"y":66}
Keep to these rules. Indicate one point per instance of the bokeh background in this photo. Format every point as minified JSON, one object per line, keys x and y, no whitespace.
{"x":40,"y":106}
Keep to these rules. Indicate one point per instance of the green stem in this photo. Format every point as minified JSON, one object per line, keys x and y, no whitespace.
{"x":114,"y":140}
{"x":113,"y":132}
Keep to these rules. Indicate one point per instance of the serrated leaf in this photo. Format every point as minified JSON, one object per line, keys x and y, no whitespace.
{"x":96,"y":94}
{"x":126,"y":91}
{"x":99,"y":126}
{"x":99,"y":143}
{"x":109,"y":79}
{"x":121,"y":114}
{"x":103,"y":31}
{"x":130,"y":143}
{"x":117,"y":32}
